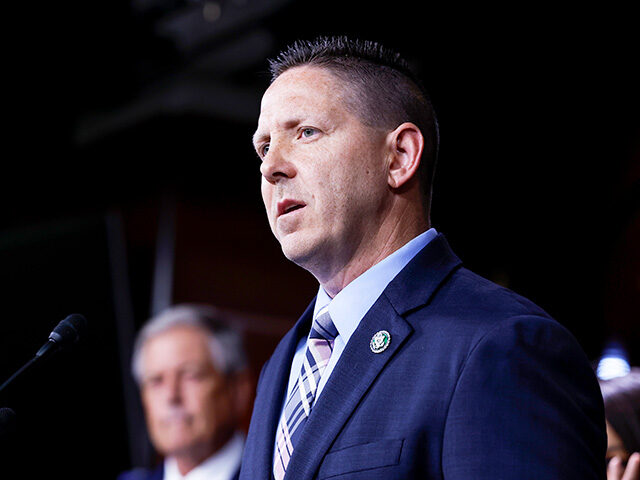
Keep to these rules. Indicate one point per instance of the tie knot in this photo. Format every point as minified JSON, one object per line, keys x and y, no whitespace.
{"x":323,"y":326}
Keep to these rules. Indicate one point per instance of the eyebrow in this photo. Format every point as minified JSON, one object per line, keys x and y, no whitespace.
{"x":286,"y":125}
{"x":258,"y":137}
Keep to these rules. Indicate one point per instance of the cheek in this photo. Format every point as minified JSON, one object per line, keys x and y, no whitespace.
{"x":267,"y":192}
{"x":352,"y":183}
{"x":204,"y":401}
{"x":213,"y":415}
{"x":150,"y":403}
{"x":153,"y":415}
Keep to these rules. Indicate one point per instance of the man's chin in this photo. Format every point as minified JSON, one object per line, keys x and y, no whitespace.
{"x":179,"y":446}
{"x":194,"y":447}
{"x":297,"y":250}
{"x":176,"y":435}
{"x":313,"y":257}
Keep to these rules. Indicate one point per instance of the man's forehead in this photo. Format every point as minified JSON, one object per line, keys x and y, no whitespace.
{"x":298,"y":94}
{"x":306,"y":74}
{"x":156,"y":360}
{"x":177,"y":364}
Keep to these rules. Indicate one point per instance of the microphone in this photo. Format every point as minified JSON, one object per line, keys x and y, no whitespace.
{"x":68,"y":331}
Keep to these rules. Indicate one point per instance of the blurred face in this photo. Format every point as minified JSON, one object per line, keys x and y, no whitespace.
{"x":188,"y":403}
{"x":323,"y":171}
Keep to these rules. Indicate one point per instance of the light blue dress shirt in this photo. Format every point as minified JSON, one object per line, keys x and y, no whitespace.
{"x":352,"y":303}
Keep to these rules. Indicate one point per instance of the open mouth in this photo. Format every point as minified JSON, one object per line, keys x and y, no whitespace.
{"x":292,"y":208}
{"x":288,"y":206}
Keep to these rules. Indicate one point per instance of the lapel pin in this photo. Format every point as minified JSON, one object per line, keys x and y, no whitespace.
{"x":380,"y":341}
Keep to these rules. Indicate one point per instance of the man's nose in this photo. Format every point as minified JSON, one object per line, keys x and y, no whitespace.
{"x":174,"y":393}
{"x":277,"y":164}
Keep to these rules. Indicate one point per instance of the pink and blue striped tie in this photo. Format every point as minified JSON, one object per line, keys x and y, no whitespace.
{"x":298,"y":406}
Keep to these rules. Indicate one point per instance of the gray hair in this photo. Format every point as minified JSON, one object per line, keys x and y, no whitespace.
{"x":225,"y":343}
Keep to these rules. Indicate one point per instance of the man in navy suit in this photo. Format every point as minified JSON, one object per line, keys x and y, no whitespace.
{"x":191,"y":369}
{"x":405,"y":365}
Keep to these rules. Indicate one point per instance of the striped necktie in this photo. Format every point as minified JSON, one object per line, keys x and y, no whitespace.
{"x":298,"y":406}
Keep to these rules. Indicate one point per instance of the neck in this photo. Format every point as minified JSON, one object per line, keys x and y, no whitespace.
{"x":189,"y":459}
{"x":391,"y":235}
{"x":186,"y":463}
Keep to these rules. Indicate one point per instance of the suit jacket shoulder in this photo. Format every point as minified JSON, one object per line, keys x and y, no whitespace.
{"x":143,"y":474}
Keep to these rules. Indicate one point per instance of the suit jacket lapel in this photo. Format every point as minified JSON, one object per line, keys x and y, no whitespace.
{"x":358,"y":366}
{"x":272,"y":390}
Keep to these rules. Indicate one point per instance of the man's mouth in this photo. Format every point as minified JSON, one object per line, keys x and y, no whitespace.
{"x":176,"y":417}
{"x":287,"y":206}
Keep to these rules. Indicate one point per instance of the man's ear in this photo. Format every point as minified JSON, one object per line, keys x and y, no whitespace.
{"x":406,"y":144}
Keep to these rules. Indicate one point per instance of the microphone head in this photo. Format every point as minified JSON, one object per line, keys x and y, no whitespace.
{"x":69,"y":330}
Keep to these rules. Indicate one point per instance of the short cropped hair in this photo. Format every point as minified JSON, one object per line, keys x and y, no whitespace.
{"x":225,"y":343}
{"x":621,"y":397}
{"x":384,"y":92}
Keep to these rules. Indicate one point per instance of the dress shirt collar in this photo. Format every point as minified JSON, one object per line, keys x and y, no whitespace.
{"x":351,"y":304}
{"x":222,"y":465}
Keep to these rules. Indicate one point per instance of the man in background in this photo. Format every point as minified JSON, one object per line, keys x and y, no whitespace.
{"x":195,"y":387}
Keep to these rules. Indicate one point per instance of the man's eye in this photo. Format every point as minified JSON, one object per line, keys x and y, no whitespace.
{"x":264,"y":150}
{"x":308,"y":132}
{"x":152,"y":382}
{"x":195,"y":371}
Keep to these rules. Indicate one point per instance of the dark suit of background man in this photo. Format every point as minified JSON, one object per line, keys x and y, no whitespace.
{"x":195,"y":390}
{"x":434,"y":372}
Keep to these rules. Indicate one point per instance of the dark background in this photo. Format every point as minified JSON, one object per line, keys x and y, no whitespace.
{"x":127,"y":126}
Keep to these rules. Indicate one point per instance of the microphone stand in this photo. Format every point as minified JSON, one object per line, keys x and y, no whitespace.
{"x":24,"y":368}
{"x":7,"y":415}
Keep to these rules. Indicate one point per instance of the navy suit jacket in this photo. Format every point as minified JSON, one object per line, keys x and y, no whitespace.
{"x":477,"y":383}
{"x":154,"y":474}
{"x":143,"y":474}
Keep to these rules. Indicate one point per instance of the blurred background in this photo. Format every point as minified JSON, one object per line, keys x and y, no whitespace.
{"x":129,"y":183}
